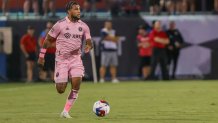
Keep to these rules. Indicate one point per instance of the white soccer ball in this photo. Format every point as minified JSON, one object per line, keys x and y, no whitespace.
{"x":101,"y":108}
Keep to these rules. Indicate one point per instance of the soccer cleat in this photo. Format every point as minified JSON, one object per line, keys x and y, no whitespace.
{"x":102,"y":81}
{"x":65,"y":115}
{"x":115,"y":80}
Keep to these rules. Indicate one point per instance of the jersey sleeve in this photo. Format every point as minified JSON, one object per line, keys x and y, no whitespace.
{"x":55,"y":30}
{"x":87,"y":32}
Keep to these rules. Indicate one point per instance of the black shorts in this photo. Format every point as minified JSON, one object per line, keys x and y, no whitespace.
{"x":154,"y":2}
{"x":145,"y":61}
{"x":49,"y":62}
{"x":31,"y":57}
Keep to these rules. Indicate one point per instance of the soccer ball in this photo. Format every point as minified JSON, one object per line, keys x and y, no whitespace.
{"x":101,"y":108}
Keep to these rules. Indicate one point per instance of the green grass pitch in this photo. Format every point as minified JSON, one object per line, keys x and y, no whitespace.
{"x":131,"y":102}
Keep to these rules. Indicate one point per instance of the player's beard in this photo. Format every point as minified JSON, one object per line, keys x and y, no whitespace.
{"x":75,"y":18}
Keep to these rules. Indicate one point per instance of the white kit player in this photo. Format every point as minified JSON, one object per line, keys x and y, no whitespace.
{"x":69,"y":34}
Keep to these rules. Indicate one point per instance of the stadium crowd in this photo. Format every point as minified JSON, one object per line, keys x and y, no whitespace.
{"x":48,"y":8}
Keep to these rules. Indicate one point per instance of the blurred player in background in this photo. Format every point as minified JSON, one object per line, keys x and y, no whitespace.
{"x":49,"y":65}
{"x":28,"y":45}
{"x":145,"y":51}
{"x":109,"y":55}
{"x":173,"y":48}
{"x":159,"y":41}
{"x":69,"y":34}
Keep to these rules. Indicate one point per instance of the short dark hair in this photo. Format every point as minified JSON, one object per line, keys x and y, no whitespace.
{"x":142,"y":27}
{"x":30,"y":27}
{"x":70,"y":4}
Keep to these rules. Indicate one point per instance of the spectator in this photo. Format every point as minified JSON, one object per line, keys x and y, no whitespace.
{"x":48,"y":68}
{"x":28,"y":47}
{"x":109,"y":52}
{"x":5,"y":7}
{"x":215,"y":6}
{"x":170,"y":6}
{"x":145,"y":51}
{"x":86,"y":6}
{"x":132,"y":7}
{"x":154,"y":7}
{"x":188,"y":4}
{"x":27,"y":4}
{"x":49,"y":5}
{"x":114,"y":7}
{"x":159,"y":41}
{"x":173,"y":48}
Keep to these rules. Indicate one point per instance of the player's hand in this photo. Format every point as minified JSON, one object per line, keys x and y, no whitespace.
{"x":87,"y":48}
{"x":41,"y":62}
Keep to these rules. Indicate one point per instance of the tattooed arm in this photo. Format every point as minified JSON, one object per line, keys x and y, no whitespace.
{"x":88,"y":46}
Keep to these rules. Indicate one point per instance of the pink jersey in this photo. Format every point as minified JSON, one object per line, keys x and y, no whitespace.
{"x":69,"y":37}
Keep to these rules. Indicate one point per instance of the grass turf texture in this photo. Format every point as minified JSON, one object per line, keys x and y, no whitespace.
{"x":131,"y":102}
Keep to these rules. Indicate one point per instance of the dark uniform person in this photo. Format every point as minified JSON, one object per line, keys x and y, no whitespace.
{"x":173,"y":49}
{"x":159,"y":40}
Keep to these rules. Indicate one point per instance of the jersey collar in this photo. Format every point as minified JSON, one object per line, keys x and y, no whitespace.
{"x":68,"y":20}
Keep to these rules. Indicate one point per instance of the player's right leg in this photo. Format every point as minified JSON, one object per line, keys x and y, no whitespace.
{"x":61,"y":79}
{"x":61,"y":76}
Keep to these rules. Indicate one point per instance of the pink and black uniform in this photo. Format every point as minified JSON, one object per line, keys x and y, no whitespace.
{"x":69,"y":36}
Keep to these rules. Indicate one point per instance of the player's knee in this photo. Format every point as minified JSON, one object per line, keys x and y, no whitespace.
{"x":60,"y":91}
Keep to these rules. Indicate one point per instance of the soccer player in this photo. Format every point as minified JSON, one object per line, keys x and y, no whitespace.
{"x":68,"y":33}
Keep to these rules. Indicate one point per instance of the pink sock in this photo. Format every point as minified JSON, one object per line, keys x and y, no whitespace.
{"x":71,"y":100}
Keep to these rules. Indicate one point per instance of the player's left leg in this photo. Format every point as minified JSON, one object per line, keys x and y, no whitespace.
{"x":73,"y":93}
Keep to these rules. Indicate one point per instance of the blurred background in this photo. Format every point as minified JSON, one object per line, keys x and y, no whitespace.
{"x":196,"y":20}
